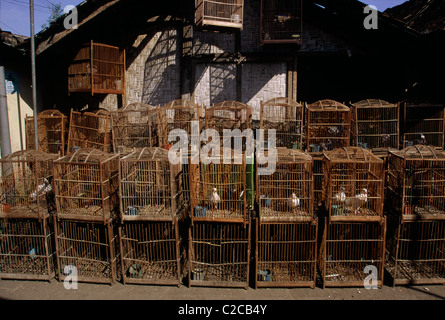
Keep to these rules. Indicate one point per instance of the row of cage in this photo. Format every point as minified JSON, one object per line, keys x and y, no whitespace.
{"x":324,"y":125}
{"x":224,"y":254}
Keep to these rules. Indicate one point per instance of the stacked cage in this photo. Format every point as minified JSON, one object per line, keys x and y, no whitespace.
{"x":416,"y":212}
{"x":286,"y":231}
{"x":354,"y":231}
{"x":423,"y":123}
{"x":134,"y":126}
{"x":285,"y":116}
{"x":26,"y":230}
{"x":375,"y":125}
{"x":90,"y":129}
{"x":221,"y":190}
{"x":86,"y":184}
{"x":52,"y":132}
{"x":150,"y":204}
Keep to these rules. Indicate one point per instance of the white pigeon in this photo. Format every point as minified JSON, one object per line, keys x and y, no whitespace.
{"x":44,"y":188}
{"x":214,"y":198}
{"x":294,"y":201}
{"x":340,"y":196}
{"x":358,"y":201}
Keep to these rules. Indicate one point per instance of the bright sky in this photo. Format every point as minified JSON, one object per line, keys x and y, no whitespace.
{"x":14,"y":14}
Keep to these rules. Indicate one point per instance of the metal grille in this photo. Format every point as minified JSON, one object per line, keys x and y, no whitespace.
{"x":86,"y":185}
{"x":353,"y":184}
{"x":52,"y":131}
{"x":328,"y":126}
{"x":423,"y":124}
{"x":347,"y":248}
{"x":375,"y":124}
{"x":134,"y":126}
{"x":90,"y":129}
{"x":416,"y":252}
{"x":416,"y":182}
{"x":150,"y":186}
{"x":287,"y":193}
{"x":219,"y":13}
{"x":26,"y":249}
{"x":90,"y":247}
{"x":219,"y":254}
{"x":26,"y":186}
{"x":286,"y":254}
{"x":150,"y":252}
{"x":286,"y":117}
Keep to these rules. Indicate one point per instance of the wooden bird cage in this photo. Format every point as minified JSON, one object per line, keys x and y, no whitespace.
{"x":318,"y":174}
{"x":134,"y":126}
{"x":26,"y":187}
{"x":219,"y":254}
{"x":91,"y":248}
{"x":52,"y":131}
{"x":221,"y":189}
{"x":150,"y":252}
{"x":219,"y":13}
{"x":90,"y":129}
{"x":286,"y":194}
{"x":328,"y":126}
{"x":150,"y":186}
{"x":281,"y":21}
{"x":286,"y":254}
{"x":181,"y":115}
{"x":86,"y":185}
{"x":416,"y":183}
{"x":26,"y":249}
{"x":416,"y":252}
{"x":286,"y":117}
{"x":353,"y":184}
{"x":375,"y":125}
{"x":423,"y":123}
{"x":236,"y":117}
{"x":350,"y":251}
{"x":97,"y":68}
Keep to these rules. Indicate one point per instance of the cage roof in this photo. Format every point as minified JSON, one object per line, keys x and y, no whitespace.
{"x":180,"y":103}
{"x":374,"y":103}
{"x":136,"y":106}
{"x":147,"y":153}
{"x":355,"y":154}
{"x":282,"y":101}
{"x":230,"y":104}
{"x":87,"y":155}
{"x":292,"y":155}
{"x":30,"y":155}
{"x":327,"y":105}
{"x":419,"y":151}
{"x":51,"y":113}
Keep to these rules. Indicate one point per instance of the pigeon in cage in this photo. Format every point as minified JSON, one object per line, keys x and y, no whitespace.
{"x":358,"y":201}
{"x":340,"y":196}
{"x":215,"y":198}
{"x":385,"y":139}
{"x":44,"y":188}
{"x":333,"y":130}
{"x":294,"y":201}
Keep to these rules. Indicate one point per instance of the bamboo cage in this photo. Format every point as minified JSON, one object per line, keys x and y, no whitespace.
{"x":328,"y":126}
{"x":221,"y":189}
{"x":180,"y":114}
{"x":281,"y":21}
{"x":233,"y":117}
{"x":150,"y":186}
{"x":416,"y":252}
{"x":219,"y":13}
{"x":423,"y":123}
{"x":416,"y":183}
{"x":150,"y":252}
{"x":219,"y":254}
{"x":286,"y":117}
{"x":353,"y":184}
{"x":375,"y":125}
{"x":26,"y":184}
{"x":350,"y":251}
{"x":90,"y":129}
{"x":287,"y":193}
{"x":26,"y":249}
{"x":134,"y":126}
{"x":92,"y":248}
{"x":52,"y":131}
{"x":97,"y":68}
{"x":286,"y":254}
{"x":86,"y":185}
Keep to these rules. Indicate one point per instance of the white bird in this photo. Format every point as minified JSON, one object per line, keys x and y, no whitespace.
{"x":44,"y":188}
{"x":214,"y":198}
{"x":422,"y":139}
{"x":294,"y":201}
{"x":358,"y":201}
{"x":341,"y":195}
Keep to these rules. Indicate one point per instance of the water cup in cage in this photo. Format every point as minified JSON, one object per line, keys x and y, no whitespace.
{"x":314,"y":148}
{"x":198,"y":274}
{"x":337,"y":210}
{"x":264,"y":275}
{"x":199,"y":211}
{"x":132,"y":211}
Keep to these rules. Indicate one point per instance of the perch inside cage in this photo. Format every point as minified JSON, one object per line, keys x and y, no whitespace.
{"x":375,"y":124}
{"x":286,"y":117}
{"x":287,"y":193}
{"x":416,"y":182}
{"x":86,"y":184}
{"x":353,"y":184}
{"x":328,"y":126}
{"x":150,"y":186}
{"x":26,"y":187}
